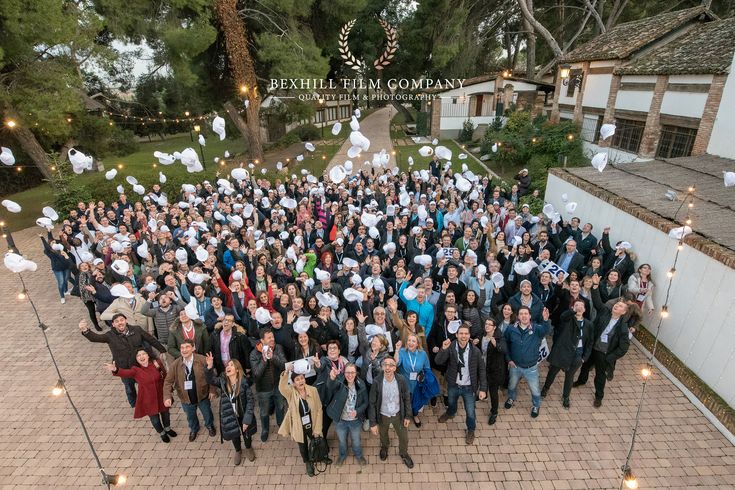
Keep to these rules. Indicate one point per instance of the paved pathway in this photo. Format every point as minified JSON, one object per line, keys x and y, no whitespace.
{"x":376,"y":128}
{"x":41,"y":445}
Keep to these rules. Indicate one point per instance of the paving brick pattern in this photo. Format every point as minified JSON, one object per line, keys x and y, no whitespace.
{"x":41,"y":445}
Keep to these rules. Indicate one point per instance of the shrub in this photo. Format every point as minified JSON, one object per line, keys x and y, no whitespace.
{"x":308,"y":132}
{"x":422,"y":123}
{"x":66,"y":189}
{"x":468,"y":129}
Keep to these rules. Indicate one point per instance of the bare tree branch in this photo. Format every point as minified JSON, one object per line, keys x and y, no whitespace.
{"x":592,"y":10}
{"x":543,"y":31}
{"x":567,"y":45}
{"x":615,"y":13}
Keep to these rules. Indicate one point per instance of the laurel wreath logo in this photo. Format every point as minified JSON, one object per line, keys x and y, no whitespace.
{"x":382,"y":61}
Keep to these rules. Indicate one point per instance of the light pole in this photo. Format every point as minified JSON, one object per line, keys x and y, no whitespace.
{"x":197,"y":129}
{"x":324,"y":114}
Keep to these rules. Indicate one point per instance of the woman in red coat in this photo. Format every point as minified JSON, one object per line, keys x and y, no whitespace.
{"x":149,"y":376}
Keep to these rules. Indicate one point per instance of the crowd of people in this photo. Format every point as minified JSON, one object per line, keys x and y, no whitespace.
{"x":354,"y":303}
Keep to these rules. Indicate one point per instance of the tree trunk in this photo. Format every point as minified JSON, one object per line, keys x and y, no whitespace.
{"x":33,"y":149}
{"x":242,"y":69}
{"x":64,"y":152}
{"x":238,"y":121}
{"x":530,"y":46}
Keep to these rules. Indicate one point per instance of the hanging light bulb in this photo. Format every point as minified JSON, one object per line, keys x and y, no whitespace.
{"x":22,"y":294}
{"x":629,"y":479}
{"x":692,"y":188}
{"x":688,"y":221}
{"x":646,"y":372}
{"x":115,"y":480}
{"x":58,"y":388}
{"x":671,"y":273}
{"x":680,"y":247}
{"x":664,"y":311}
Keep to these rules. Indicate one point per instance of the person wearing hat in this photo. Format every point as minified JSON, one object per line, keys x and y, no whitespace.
{"x":524,"y":341}
{"x":571,"y":348}
{"x":303,"y":420}
{"x":611,"y":342}
{"x":267,"y":362}
{"x":130,"y":304}
{"x":124,"y":342}
{"x":524,"y":182}
{"x":619,"y":259}
{"x":390,"y":404}
{"x":465,"y":375}
{"x":187,"y":375}
{"x":237,"y":412}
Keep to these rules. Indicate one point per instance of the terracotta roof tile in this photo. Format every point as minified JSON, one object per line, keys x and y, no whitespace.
{"x":624,"y":39}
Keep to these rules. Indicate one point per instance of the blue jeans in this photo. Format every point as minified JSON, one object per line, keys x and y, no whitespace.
{"x":532,"y":378}
{"x":269,"y":401}
{"x":353,"y":427}
{"x":456,"y":391}
{"x":62,"y":281}
{"x":191,"y":414}
{"x":130,"y":390}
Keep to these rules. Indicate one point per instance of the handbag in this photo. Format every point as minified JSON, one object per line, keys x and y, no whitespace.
{"x":319,"y":454}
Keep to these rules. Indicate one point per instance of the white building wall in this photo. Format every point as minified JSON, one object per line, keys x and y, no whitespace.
{"x":597,"y":90}
{"x":634,"y":100}
{"x":720,"y":142}
{"x":704,"y":79}
{"x":683,"y":104}
{"x":563,"y":99}
{"x":699,"y":330}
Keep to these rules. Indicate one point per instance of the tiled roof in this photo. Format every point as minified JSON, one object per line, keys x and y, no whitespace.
{"x":624,"y":39}
{"x":639,"y":189}
{"x":707,"y":48}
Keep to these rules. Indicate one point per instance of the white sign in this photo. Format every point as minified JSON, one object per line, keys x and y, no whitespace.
{"x":553,"y":269}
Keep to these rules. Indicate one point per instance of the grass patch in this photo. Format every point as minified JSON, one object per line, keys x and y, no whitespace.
{"x":397,"y":121}
{"x":419,"y":162}
{"x":144,"y":167}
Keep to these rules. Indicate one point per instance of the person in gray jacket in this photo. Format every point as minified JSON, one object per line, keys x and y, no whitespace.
{"x":164,"y":309}
{"x":390,"y":403}
{"x":465,"y":377}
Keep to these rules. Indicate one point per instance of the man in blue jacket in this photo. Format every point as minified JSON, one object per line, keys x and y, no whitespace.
{"x":524,"y":340}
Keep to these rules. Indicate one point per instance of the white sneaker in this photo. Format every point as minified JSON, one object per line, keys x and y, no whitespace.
{"x":68,"y":293}
{"x":63,"y":300}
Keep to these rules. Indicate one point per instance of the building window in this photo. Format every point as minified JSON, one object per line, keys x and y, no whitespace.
{"x":676,"y":142}
{"x":344,"y":112}
{"x":591,"y":128}
{"x":628,"y":135}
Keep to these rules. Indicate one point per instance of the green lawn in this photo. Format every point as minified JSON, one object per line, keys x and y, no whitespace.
{"x":145,"y":167}
{"x":419,"y":162}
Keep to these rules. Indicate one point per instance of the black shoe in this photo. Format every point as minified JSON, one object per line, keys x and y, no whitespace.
{"x":597,"y":403}
{"x":98,"y":328}
{"x":492,"y":419}
{"x":433,"y":402}
{"x":508,"y":403}
{"x":309,"y":469}
{"x":171,"y":432}
{"x":578,"y":383}
{"x":407,"y":461}
{"x":445,"y":399}
{"x":535,"y":411}
{"x":164,"y":437}
{"x":544,"y":392}
{"x":192,"y":436}
{"x":383,"y":453}
{"x":565,"y":403}
{"x":417,"y":422}
{"x":264,"y":435}
{"x":609,"y":373}
{"x":212,"y":431}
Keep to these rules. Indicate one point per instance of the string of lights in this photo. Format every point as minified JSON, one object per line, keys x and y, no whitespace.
{"x":108,"y":480}
{"x":629,"y":479}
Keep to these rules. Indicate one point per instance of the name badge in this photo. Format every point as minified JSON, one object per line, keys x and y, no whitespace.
{"x":414,"y":376}
{"x":603,"y":338}
{"x":306,"y":420}
{"x":188,"y":385}
{"x":339,"y":267}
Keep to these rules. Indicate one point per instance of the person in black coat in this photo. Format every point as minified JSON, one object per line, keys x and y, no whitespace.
{"x":239,"y":346}
{"x":611,"y":342}
{"x":347,"y":391}
{"x":124,"y":342}
{"x":440,"y":333}
{"x":236,"y":408}
{"x":216,"y":313}
{"x":465,"y":377}
{"x":618,"y":259}
{"x":493,"y":348}
{"x":572,"y":347}
{"x":566,"y":296}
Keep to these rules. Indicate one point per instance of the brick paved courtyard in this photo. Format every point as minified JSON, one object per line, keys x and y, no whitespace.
{"x":41,"y":444}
